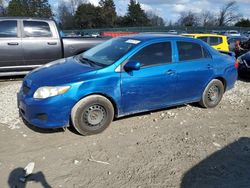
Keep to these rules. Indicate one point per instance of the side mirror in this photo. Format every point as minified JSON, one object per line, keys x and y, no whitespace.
{"x":132,"y":65}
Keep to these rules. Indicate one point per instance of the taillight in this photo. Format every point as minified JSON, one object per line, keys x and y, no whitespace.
{"x":236,"y":64}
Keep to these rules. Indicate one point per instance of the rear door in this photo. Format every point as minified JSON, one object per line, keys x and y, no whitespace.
{"x":41,"y":43}
{"x":153,"y":86}
{"x":194,"y":69}
{"x":10,"y":45}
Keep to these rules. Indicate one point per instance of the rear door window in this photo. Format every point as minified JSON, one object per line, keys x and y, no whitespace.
{"x":36,"y":29}
{"x":8,"y":28}
{"x":215,"y":40}
{"x":205,"y":39}
{"x":191,"y":51}
{"x":154,"y":54}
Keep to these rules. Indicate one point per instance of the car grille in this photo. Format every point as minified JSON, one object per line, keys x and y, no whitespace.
{"x":26,"y":89}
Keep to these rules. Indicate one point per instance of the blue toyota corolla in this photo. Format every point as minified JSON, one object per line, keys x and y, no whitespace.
{"x":124,"y":76}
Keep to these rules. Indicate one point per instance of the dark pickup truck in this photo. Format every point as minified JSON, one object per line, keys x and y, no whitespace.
{"x":27,"y":43}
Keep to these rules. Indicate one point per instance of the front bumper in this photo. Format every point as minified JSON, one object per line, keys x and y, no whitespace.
{"x":51,"y":113}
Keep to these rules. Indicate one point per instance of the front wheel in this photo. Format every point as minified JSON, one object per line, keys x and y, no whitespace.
{"x":92,"y":115}
{"x":212,"y":94}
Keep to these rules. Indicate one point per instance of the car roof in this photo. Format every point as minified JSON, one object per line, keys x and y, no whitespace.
{"x":203,"y":35}
{"x":148,"y":37}
{"x":26,"y":18}
{"x":237,"y":37}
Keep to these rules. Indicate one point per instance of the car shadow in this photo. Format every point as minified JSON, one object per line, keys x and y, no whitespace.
{"x":40,"y":130}
{"x":17,"y":174}
{"x":154,"y":111}
{"x":226,"y":168}
{"x":11,"y":78}
{"x":73,"y":130}
{"x":244,"y":79}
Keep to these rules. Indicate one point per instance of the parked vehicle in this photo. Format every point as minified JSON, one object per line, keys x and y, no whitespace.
{"x":231,"y":41}
{"x":244,"y":65}
{"x":114,"y":34}
{"x":215,"y":32}
{"x":246,"y":34}
{"x":172,"y":32}
{"x":246,"y":44}
{"x":219,"y":42}
{"x":27,"y":43}
{"x":123,"y":76}
{"x":232,"y":33}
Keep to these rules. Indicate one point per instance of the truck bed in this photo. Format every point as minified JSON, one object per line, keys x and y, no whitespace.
{"x":76,"y":45}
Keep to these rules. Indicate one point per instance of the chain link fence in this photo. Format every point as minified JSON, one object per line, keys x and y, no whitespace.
{"x":159,"y":29}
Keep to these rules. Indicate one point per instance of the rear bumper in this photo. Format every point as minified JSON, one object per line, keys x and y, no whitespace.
{"x":47,"y":113}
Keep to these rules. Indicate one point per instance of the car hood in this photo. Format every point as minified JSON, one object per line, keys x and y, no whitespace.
{"x":59,"y":72}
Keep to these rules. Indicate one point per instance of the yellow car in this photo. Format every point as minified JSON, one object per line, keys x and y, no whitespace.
{"x":219,"y":42}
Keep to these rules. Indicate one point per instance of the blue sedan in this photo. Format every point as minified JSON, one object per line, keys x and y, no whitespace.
{"x":125,"y":76}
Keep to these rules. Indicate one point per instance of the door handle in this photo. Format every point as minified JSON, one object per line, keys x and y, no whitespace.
{"x":170,"y":72}
{"x":12,"y":43}
{"x":210,"y":66}
{"x":52,"y":43}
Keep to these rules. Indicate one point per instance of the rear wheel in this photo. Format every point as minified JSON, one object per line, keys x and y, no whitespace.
{"x":212,"y":94}
{"x":92,"y":115}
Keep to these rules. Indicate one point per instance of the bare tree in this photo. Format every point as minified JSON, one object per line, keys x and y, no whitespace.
{"x":3,"y":7}
{"x":229,"y":14}
{"x":207,"y":19}
{"x":74,"y":4}
{"x":65,"y":16}
{"x":155,"y":20}
{"x":66,"y":11}
{"x":188,"y":19}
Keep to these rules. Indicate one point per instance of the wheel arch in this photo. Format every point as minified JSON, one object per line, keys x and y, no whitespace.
{"x":223,"y":80}
{"x":113,"y":102}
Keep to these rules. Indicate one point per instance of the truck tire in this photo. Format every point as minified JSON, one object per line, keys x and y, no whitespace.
{"x":92,"y":115}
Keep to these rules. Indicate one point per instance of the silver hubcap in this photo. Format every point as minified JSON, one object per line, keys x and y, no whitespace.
{"x":213,"y":94}
{"x":95,"y":115}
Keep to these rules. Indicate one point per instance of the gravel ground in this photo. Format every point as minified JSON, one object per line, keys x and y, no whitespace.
{"x":185,"y":146}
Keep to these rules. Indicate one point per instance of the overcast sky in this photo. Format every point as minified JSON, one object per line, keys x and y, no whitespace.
{"x":171,"y":9}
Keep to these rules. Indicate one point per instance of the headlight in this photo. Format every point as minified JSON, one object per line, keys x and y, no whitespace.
{"x":47,"y":91}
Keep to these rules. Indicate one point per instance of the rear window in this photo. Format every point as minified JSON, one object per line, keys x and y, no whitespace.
{"x":205,"y":39}
{"x":36,"y":29}
{"x":8,"y":28}
{"x":215,"y":40}
{"x":191,"y":51}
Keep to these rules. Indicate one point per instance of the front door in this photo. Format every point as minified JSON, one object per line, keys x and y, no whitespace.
{"x":153,"y":86}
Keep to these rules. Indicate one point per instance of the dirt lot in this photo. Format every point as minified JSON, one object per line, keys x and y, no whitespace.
{"x":185,"y":146}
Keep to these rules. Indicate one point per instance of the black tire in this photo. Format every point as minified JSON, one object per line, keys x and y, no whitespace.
{"x":92,"y":115}
{"x":212,"y":94}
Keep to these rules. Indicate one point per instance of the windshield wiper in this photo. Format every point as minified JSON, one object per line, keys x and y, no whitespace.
{"x":90,"y":62}
{"x":83,"y":60}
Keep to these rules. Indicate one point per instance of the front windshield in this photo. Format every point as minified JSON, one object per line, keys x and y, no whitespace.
{"x":110,"y":51}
